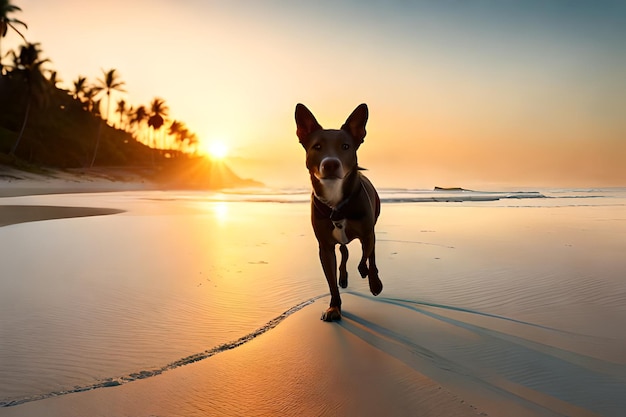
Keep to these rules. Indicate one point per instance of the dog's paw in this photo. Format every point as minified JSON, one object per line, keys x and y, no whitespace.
{"x":332,"y":314}
{"x":376,"y":286}
{"x":343,"y":280}
{"x":363,"y":269}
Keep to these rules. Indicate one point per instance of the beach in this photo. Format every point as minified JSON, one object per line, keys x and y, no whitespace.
{"x":144,"y":302}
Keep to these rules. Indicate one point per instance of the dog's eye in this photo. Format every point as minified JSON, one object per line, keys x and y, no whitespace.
{"x":345,"y":146}
{"x":317,"y":146}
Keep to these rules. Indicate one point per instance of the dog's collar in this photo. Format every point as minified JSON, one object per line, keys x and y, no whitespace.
{"x":323,"y":210}
{"x":335,"y":214}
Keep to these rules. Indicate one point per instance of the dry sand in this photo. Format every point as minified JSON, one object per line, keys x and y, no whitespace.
{"x":391,"y":355}
{"x":15,"y":182}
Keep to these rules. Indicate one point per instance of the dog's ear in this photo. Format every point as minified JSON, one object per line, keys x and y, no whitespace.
{"x":355,"y":124}
{"x":305,"y":122}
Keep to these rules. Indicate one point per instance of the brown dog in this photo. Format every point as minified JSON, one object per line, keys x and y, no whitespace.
{"x":344,"y":204}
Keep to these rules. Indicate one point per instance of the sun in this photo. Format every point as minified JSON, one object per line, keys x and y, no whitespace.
{"x":216,"y":149}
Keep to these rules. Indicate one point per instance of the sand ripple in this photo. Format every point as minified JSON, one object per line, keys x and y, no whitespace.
{"x":518,"y":361}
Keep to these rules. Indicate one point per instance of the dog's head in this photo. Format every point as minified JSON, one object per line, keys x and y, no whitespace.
{"x":330,"y":153}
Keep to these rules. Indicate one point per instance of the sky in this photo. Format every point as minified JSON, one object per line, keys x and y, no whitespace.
{"x":478,"y":93}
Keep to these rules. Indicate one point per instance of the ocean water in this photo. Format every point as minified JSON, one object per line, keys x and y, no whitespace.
{"x":99,"y":301}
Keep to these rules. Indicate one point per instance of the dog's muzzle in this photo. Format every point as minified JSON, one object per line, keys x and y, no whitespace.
{"x":330,"y":168}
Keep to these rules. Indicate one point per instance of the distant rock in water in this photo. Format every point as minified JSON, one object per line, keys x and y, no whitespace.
{"x":450,"y":189}
{"x":201,"y":174}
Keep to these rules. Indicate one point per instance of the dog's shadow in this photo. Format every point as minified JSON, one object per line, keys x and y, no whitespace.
{"x":468,"y":350}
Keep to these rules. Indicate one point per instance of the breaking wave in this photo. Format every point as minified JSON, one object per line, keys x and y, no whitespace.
{"x":565,"y":197}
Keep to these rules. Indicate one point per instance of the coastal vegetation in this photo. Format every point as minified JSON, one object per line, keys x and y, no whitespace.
{"x":90,"y":124}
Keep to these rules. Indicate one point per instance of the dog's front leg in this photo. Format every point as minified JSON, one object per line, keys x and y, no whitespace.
{"x":343,"y":269}
{"x":329,"y":265}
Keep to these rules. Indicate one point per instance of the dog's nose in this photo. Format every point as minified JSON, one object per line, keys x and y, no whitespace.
{"x":330,"y":167}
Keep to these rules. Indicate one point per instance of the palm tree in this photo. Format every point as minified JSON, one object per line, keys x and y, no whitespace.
{"x":80,"y":87}
{"x":109,"y":83}
{"x":182,"y":135}
{"x":121,"y":109}
{"x":158,"y":110}
{"x":94,"y":105}
{"x":192,"y":142}
{"x":89,"y":104}
{"x":177,"y":130}
{"x":175,"y":127}
{"x":28,"y":64}
{"x":130,"y":112}
{"x":54,"y":79}
{"x":139,"y":115}
{"x":7,"y":22}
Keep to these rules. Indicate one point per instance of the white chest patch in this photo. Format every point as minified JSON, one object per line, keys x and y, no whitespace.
{"x":332,"y":191}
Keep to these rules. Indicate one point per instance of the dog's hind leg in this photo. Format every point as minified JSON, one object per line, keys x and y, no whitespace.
{"x":367,"y":249}
{"x":367,"y":266}
{"x":343,"y":270}
{"x":376,"y":286}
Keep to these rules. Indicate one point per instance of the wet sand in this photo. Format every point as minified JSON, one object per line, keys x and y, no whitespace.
{"x":487,"y":310}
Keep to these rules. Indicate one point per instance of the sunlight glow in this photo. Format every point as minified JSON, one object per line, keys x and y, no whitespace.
{"x":216,"y":149}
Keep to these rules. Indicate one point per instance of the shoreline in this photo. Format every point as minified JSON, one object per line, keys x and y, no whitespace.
{"x":17,"y":183}
{"x":15,"y":214}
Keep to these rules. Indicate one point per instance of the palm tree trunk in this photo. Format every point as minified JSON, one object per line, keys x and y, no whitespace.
{"x":108,"y":106}
{"x":151,"y":141}
{"x":19,"y":138}
{"x":95,"y":151}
